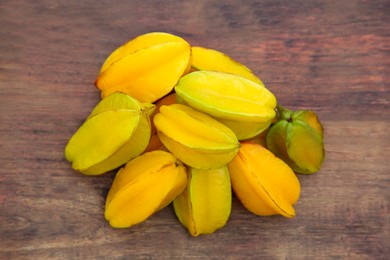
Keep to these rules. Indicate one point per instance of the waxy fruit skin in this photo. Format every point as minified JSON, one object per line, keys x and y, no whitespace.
{"x":155,"y":142}
{"x":210,"y":59}
{"x":140,"y":42}
{"x":263,"y":183}
{"x":147,"y":67}
{"x":117,"y":130}
{"x":189,"y":125}
{"x":195,"y":138}
{"x":242,"y":105}
{"x":143,"y":186}
{"x":205,"y":204}
{"x":297,"y":138}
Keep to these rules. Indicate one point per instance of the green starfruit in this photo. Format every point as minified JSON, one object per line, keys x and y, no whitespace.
{"x":297,"y":138}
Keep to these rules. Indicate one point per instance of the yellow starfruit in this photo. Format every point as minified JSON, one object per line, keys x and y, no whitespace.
{"x":205,"y":205}
{"x":241,"y":104}
{"x":147,"y":67}
{"x":263,"y":183}
{"x":195,"y":138}
{"x":210,"y":59}
{"x":117,"y":130}
{"x":143,"y":186}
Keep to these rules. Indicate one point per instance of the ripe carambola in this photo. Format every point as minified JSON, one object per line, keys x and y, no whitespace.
{"x":147,"y":67}
{"x":205,"y":204}
{"x":264,"y":184}
{"x":195,"y":138}
{"x":117,"y":130}
{"x":242,"y":105}
{"x":209,"y":59}
{"x":143,"y":186}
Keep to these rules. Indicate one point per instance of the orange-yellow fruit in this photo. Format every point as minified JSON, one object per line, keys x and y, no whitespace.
{"x":209,"y":59}
{"x":244,"y":106}
{"x":263,"y":183}
{"x":147,"y":67}
{"x":205,"y":205}
{"x":143,"y":186}
{"x":96,"y":148}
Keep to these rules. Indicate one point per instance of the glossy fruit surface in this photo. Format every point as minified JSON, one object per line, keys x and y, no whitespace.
{"x":241,"y":104}
{"x":147,"y":67}
{"x":264,"y":184}
{"x":210,"y":59}
{"x":143,"y":186}
{"x":205,"y":204}
{"x":117,"y":130}
{"x":195,"y":138}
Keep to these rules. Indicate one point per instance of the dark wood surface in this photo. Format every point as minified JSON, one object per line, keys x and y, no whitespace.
{"x":329,"y":56}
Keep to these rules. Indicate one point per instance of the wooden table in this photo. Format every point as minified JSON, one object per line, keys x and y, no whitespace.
{"x":328,"y":56}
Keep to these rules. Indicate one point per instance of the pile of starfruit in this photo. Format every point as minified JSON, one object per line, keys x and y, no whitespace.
{"x":189,"y":126}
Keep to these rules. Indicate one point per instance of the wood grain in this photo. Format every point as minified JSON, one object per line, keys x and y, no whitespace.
{"x":329,"y":56}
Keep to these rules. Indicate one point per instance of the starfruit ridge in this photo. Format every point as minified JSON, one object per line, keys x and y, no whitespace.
{"x":205,"y":204}
{"x":264,"y":184}
{"x":143,"y":186}
{"x":195,"y":138}
{"x":241,"y":104}
{"x":95,"y":148}
{"x":148,"y":73}
{"x":210,"y":59}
